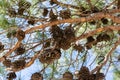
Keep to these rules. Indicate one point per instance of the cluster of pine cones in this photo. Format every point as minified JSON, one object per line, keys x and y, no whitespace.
{"x":84,"y":74}
{"x":63,"y":38}
{"x":93,"y":41}
{"x":16,"y":65}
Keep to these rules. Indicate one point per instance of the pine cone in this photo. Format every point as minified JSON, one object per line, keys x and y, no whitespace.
{"x":45,"y":57}
{"x":45,"y":12}
{"x":36,"y":76}
{"x":55,"y":54}
{"x":7,"y":63}
{"x":20,"y":35}
{"x":118,"y":58}
{"x":31,"y":21}
{"x":90,"y":39}
{"x":1,"y":46}
{"x":49,"y":55}
{"x":11,"y":76}
{"x":68,"y":75}
{"x":104,"y":21}
{"x":20,"y":50}
{"x":95,"y":9}
{"x":47,"y":44}
{"x":52,"y":16}
{"x":52,"y":2}
{"x":69,"y":34}
{"x":100,"y":76}
{"x":92,"y":22}
{"x":78,"y":47}
{"x":66,"y":79}
{"x":18,"y":64}
{"x":103,"y":37}
{"x":92,"y":77}
{"x":64,"y":44}
{"x":118,"y":4}
{"x":65,"y":14}
{"x":84,"y":73}
{"x":88,"y":46}
{"x":21,"y":11}
{"x":57,"y":33}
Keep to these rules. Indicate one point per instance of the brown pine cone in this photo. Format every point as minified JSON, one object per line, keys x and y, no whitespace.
{"x":49,"y":55}
{"x":21,"y":11}
{"x":18,"y":64}
{"x":84,"y":73}
{"x":11,"y":76}
{"x":45,"y":57}
{"x":52,"y":16}
{"x":65,"y":14}
{"x":104,"y":21}
{"x":90,"y":39}
{"x":31,"y":21}
{"x":52,"y":2}
{"x":57,"y":33}
{"x":55,"y":54}
{"x":36,"y":76}
{"x":92,"y":77}
{"x":68,"y":75}
{"x":20,"y":50}
{"x":103,"y":37}
{"x":7,"y":63}
{"x":69,"y":34}
{"x":20,"y":35}
{"x":100,"y":76}
{"x":78,"y":47}
{"x":45,"y":12}
{"x":1,"y":46}
{"x":64,"y":44}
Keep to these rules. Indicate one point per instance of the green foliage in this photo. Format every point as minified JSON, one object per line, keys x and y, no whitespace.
{"x":3,"y":5}
{"x":1,"y":70}
{"x":5,"y":23}
{"x":117,"y":75}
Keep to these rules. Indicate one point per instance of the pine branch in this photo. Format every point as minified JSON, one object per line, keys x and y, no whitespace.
{"x":106,"y":57}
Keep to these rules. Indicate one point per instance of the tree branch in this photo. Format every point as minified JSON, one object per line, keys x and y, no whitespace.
{"x":106,"y":57}
{"x":98,"y":30}
{"x":10,"y":51}
{"x":95,"y":16}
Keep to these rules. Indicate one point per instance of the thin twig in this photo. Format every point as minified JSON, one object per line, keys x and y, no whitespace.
{"x":106,"y":57}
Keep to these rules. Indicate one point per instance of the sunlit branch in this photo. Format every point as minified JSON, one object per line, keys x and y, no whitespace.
{"x":98,"y":30}
{"x":96,"y":16}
